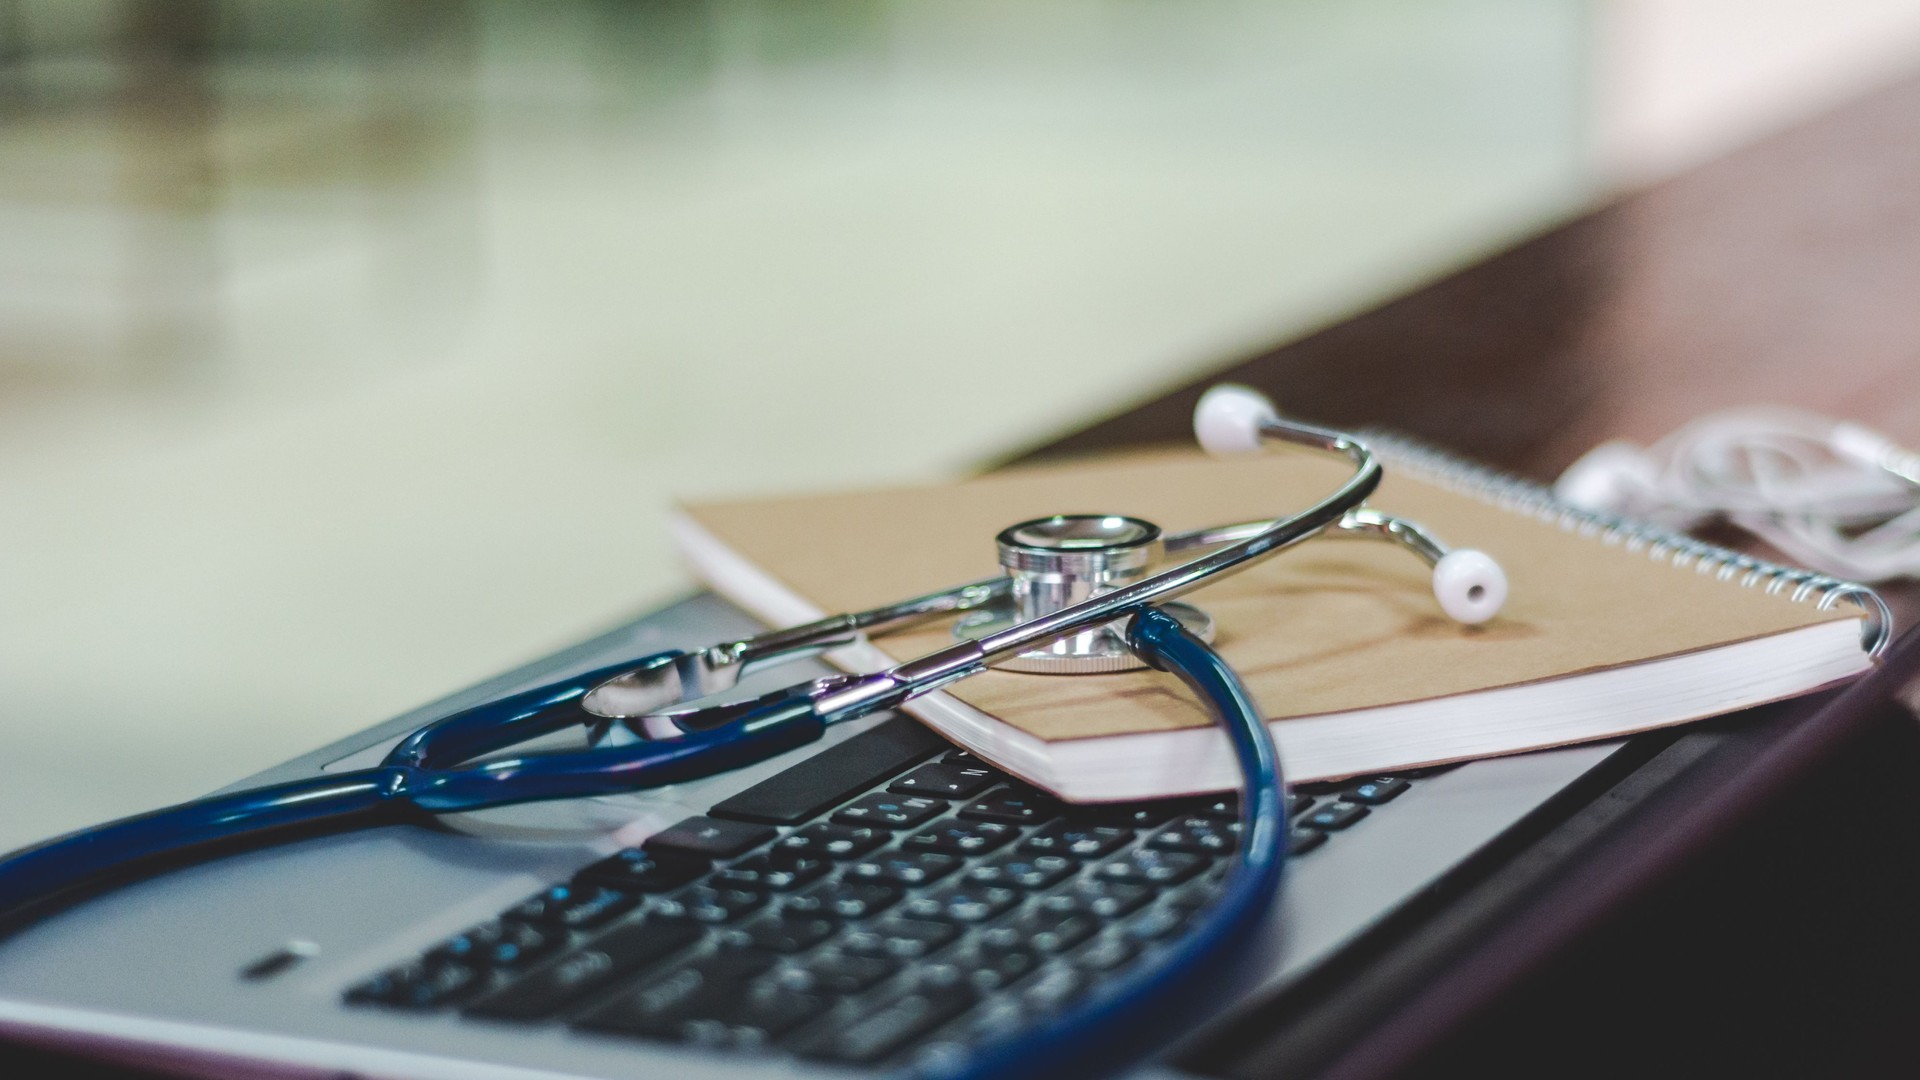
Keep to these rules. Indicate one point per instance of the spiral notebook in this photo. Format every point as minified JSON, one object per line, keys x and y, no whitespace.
{"x":1610,"y":629}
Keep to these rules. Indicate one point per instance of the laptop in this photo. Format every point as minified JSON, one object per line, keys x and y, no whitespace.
{"x":854,"y":906}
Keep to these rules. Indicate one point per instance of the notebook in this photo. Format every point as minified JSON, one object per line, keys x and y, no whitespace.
{"x":1609,"y":629}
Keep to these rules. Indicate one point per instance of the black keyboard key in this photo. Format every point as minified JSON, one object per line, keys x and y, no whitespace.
{"x":1017,"y":869}
{"x":1130,"y":815}
{"x":902,"y":939}
{"x":543,"y":905}
{"x":417,"y":986}
{"x":1321,"y":787}
{"x":761,"y":1015}
{"x":664,"y":1007}
{"x":1106,"y":954}
{"x":1099,"y":898}
{"x":1156,"y":922}
{"x":732,"y":967}
{"x":621,"y":953}
{"x":832,"y":776}
{"x":998,"y":1017}
{"x":708,"y":904}
{"x":710,"y":838}
{"x":1043,"y":929}
{"x":508,"y":944}
{"x":945,"y":781}
{"x":1194,"y":897}
{"x":1378,"y":790}
{"x":1332,"y":816}
{"x":783,"y":932}
{"x":1299,"y":804}
{"x":634,"y":870}
{"x":1015,"y":805}
{"x":1146,"y":866}
{"x":844,"y":899}
{"x":1053,"y":990}
{"x":984,"y":969}
{"x":889,"y":811}
{"x":777,"y":871}
{"x":838,"y":973}
{"x":1078,"y":840}
{"x":1300,"y":841}
{"x":962,"y":903}
{"x":892,"y":1027}
{"x":1204,"y":835}
{"x":961,"y":837}
{"x":575,"y":907}
{"x":833,"y":841}
{"x":903,"y":867}
{"x":1225,"y":807}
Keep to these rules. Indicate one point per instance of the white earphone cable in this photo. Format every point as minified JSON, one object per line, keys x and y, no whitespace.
{"x":1838,"y":497}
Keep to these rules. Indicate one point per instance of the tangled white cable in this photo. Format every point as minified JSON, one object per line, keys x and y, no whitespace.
{"x":1836,"y":496}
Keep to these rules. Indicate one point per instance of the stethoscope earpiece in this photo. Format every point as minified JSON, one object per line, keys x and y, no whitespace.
{"x":1470,"y":586}
{"x":1228,"y":418}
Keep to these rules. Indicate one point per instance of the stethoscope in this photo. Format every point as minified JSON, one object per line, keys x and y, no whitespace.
{"x":1077,"y":596}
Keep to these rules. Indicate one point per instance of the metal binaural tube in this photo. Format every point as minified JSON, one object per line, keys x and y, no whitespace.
{"x":1366,"y":523}
{"x":1363,"y":523}
{"x":838,"y":630}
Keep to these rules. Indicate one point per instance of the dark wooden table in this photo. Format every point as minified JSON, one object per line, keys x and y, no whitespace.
{"x":1788,"y":272}
{"x":1760,"y":916}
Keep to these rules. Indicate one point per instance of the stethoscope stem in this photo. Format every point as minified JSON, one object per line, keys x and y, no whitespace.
{"x":837,"y":630}
{"x":1364,"y":523}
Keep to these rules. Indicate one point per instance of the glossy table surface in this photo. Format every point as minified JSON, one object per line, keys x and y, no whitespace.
{"x":1784,"y":273}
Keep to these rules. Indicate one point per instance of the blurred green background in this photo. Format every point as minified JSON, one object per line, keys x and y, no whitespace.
{"x":352,"y":352}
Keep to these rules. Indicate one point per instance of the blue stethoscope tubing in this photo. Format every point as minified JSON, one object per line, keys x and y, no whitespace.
{"x":1122,"y":1020}
{"x":1113,"y":1025}
{"x":421,"y":776}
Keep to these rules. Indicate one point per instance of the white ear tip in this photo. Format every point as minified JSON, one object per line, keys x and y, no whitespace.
{"x":1228,"y":417}
{"x":1470,"y":586}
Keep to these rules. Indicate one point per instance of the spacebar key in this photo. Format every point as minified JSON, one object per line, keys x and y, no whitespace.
{"x":622,"y":952}
{"x":887,"y":1030}
{"x":832,"y":776}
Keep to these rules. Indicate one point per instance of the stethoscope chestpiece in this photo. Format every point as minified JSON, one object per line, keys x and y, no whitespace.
{"x":1056,"y":562}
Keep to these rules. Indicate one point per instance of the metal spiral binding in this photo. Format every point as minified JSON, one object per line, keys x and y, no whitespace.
{"x":1659,"y":544}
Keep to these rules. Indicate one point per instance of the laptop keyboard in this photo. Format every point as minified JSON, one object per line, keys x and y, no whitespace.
{"x":887,"y":896}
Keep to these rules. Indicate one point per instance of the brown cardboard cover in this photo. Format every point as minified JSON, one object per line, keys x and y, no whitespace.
{"x":1328,"y":626}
